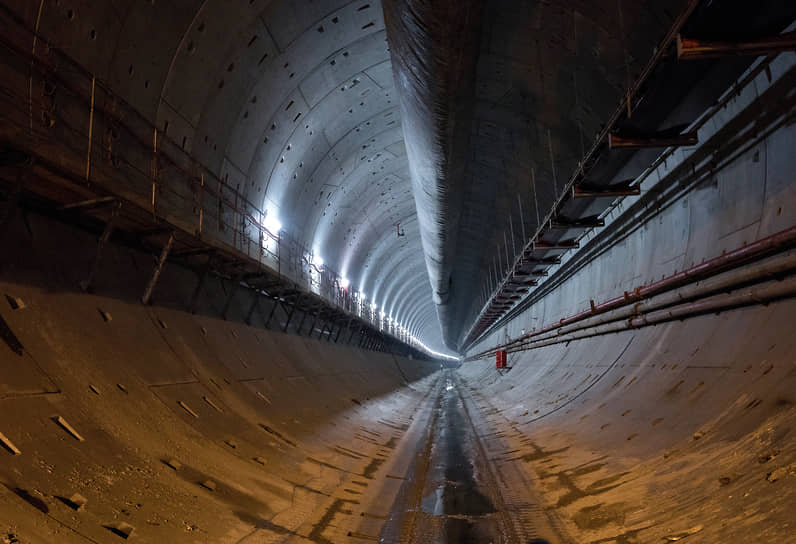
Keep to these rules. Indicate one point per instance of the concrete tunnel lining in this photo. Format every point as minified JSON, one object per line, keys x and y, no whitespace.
{"x":197,"y":419}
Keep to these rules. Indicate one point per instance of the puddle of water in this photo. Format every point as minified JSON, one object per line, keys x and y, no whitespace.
{"x":433,"y":503}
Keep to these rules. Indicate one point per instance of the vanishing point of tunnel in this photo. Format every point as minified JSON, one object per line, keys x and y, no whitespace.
{"x":397,"y":271}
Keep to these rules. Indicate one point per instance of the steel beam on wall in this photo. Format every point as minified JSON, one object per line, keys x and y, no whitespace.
{"x":663,"y":139}
{"x":232,"y":292}
{"x":353,"y":332}
{"x":323,"y":328}
{"x":197,"y":291}
{"x":340,"y":329}
{"x":164,"y":254}
{"x":86,"y":284}
{"x":591,"y":190}
{"x":292,"y":311}
{"x":301,"y":323}
{"x":273,"y":308}
{"x":563,"y":223}
{"x":544,"y":245}
{"x":90,"y":203}
{"x":315,"y":320}
{"x":691,"y":49}
{"x":254,"y":305}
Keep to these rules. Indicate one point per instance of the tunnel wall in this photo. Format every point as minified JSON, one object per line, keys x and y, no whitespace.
{"x":256,"y":92}
{"x":677,"y":427}
{"x":271,"y":423}
{"x":736,"y":187}
{"x":682,"y":428}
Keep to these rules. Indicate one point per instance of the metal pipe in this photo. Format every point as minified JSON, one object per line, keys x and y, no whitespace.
{"x":773,"y":267}
{"x":740,"y":256}
{"x":760,"y":294}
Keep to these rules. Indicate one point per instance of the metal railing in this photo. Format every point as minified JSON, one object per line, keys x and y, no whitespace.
{"x":57,"y":111}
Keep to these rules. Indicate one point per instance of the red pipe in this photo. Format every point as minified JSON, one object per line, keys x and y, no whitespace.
{"x":748,"y":252}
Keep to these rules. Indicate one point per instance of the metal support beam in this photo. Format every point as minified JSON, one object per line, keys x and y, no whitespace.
{"x":92,"y":203}
{"x":690,"y":49}
{"x":254,"y":305}
{"x":560,"y":244}
{"x":164,"y":254}
{"x":315,"y":320}
{"x":616,"y":141}
{"x":353,"y":332}
{"x":86,"y":284}
{"x":273,"y":310}
{"x":197,"y":291}
{"x":232,"y":292}
{"x":341,"y":330}
{"x":547,"y":261}
{"x":323,"y":329}
{"x":589,"y":190}
{"x":292,"y":311}
{"x":564,"y":223}
{"x":301,"y":323}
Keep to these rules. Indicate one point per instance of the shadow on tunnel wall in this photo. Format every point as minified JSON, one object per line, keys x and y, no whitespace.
{"x":42,"y":266}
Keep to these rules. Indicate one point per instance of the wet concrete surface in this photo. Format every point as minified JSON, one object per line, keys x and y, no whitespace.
{"x":451,"y":495}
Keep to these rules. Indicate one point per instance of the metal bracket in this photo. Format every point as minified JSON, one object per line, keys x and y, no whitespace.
{"x":691,"y":49}
{"x":86,"y":284}
{"x":656,"y":139}
{"x":589,"y":190}
{"x":564,"y":223}
{"x":235,"y":286}
{"x":164,"y":254}
{"x":561,"y":244}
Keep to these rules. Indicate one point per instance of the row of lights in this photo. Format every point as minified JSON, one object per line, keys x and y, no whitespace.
{"x":274,"y":226}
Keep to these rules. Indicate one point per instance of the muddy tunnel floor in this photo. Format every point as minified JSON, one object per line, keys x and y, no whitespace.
{"x":452,"y":492}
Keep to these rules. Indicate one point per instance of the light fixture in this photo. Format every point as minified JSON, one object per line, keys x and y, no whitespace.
{"x":272,"y":223}
{"x":373,"y":306}
{"x":317,"y":261}
{"x":344,"y":283}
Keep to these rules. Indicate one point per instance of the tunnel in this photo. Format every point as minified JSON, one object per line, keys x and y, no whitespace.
{"x":398,"y":271}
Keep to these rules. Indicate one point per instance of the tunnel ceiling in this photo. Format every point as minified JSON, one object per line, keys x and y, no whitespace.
{"x":295,"y":104}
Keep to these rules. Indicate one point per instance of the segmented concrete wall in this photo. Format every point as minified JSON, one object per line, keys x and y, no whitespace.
{"x":683,"y":426}
{"x":737,"y":186}
{"x":257,"y":421}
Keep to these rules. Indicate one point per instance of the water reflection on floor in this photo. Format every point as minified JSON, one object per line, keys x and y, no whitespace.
{"x":453,"y":501}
